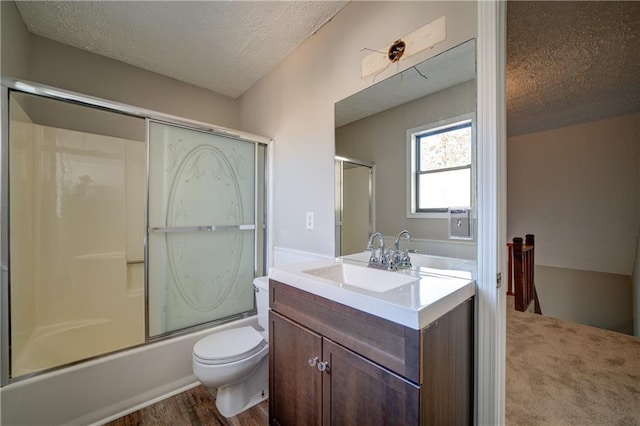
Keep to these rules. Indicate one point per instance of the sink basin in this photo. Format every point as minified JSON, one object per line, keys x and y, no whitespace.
{"x":362,"y":277}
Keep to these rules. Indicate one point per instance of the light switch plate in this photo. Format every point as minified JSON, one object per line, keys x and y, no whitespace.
{"x":460,"y":223}
{"x":309,"y":220}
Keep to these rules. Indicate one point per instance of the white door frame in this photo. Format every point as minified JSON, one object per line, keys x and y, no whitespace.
{"x":491,"y":161}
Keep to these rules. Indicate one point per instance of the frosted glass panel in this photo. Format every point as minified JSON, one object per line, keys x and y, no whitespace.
{"x":198,"y":273}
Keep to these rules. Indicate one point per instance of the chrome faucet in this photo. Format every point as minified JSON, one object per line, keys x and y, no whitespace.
{"x":375,"y":236}
{"x":402,"y":233}
{"x":401,"y":259}
{"x":382,"y":259}
{"x":388,"y":259}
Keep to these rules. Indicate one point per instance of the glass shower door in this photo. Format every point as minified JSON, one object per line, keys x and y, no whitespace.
{"x":201,"y":227}
{"x":354,"y":205}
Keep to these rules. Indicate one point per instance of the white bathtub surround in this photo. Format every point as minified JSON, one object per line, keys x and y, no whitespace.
{"x":57,"y":344}
{"x":85,"y":300}
{"x":106,"y":388}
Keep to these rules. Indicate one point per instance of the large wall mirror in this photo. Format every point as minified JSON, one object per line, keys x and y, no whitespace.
{"x":378,"y":127}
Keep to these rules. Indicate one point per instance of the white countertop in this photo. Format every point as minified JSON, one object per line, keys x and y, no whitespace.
{"x":415,"y":305}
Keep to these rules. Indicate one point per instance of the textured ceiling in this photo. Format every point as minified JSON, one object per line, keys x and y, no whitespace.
{"x":223,"y":46}
{"x":567,"y":62}
{"x":571,"y":62}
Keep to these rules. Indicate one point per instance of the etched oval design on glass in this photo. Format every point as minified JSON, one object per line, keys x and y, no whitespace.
{"x":205,"y":191}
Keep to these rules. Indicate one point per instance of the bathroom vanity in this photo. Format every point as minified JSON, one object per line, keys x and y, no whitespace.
{"x":344,"y":352}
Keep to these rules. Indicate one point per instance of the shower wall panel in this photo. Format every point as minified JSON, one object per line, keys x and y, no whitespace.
{"x":76,"y":203}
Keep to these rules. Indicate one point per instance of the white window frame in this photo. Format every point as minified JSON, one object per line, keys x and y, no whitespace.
{"x":411,"y":164}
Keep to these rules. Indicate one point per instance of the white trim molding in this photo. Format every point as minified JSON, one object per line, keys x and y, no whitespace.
{"x":443,"y":248}
{"x":287,"y":256}
{"x":491,"y":171}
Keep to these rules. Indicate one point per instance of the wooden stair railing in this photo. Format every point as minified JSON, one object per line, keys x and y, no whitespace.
{"x":521,"y":267}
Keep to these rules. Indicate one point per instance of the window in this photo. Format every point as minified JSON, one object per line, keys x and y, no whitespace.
{"x":441,"y":159}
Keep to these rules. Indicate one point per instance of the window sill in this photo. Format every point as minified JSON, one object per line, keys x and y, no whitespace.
{"x":434,"y":215}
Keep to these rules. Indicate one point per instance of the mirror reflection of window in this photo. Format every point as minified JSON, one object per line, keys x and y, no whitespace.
{"x":441,"y":172}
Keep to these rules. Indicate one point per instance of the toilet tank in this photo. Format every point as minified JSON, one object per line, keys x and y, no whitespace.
{"x":262,"y":302}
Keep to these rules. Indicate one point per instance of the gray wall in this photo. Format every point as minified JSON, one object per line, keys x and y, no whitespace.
{"x":70,"y":68}
{"x":41,"y":60}
{"x":577,"y":189}
{"x":294,"y":105}
{"x":14,"y":42}
{"x":593,"y":298}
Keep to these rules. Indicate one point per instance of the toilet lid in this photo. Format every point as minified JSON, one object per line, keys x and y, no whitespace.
{"x":229,"y":345}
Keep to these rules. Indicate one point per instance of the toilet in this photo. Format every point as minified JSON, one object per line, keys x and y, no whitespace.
{"x":236,"y":361}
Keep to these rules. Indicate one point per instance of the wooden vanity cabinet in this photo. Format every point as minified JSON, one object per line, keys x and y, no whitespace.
{"x":298,"y":387}
{"x":377,"y":372}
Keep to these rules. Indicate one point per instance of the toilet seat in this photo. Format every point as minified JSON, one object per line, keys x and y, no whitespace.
{"x":228,"y":346}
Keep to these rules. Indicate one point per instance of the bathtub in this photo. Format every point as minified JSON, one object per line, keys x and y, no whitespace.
{"x":105,"y":388}
{"x":67,"y":342}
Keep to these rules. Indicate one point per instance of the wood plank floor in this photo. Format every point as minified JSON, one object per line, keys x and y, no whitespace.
{"x":192,"y":408}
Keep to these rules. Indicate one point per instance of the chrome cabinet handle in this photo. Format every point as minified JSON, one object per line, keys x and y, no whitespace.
{"x":313,"y":361}
{"x":322,"y":366}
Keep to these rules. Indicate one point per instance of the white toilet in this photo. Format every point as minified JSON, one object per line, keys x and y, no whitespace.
{"x":236,"y":361}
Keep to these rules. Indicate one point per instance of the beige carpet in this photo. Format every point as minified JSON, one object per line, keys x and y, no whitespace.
{"x":562,"y":373}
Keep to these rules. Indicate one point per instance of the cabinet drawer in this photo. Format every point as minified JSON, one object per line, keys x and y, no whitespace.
{"x":391,"y":345}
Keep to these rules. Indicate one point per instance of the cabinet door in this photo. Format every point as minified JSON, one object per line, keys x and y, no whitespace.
{"x":359,"y":392}
{"x":295,"y":387}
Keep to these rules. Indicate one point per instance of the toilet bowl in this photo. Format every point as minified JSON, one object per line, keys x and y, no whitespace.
{"x":236,"y":361}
